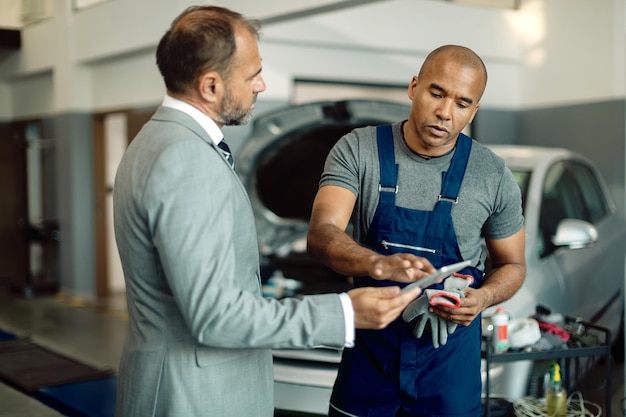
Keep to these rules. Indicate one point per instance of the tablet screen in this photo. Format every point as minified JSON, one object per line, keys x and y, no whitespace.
{"x":438,"y":275}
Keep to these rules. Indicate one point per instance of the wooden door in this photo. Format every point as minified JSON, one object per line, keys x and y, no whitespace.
{"x":134,"y":122}
{"x":14,"y":258}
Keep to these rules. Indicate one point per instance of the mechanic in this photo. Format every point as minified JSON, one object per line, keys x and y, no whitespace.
{"x":420,"y":186}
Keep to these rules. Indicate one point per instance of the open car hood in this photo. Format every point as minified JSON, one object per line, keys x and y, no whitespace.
{"x":280,"y":166}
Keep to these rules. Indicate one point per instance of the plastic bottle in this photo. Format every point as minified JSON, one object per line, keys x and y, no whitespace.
{"x":500,"y":322}
{"x":556,"y":397}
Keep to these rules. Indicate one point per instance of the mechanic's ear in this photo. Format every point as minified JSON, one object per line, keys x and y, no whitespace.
{"x":412,"y":86}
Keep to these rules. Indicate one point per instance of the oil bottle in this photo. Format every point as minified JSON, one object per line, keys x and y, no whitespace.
{"x":556,"y":397}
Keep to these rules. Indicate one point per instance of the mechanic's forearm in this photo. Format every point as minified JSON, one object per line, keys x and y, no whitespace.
{"x":337,"y":250}
{"x":502,"y":283}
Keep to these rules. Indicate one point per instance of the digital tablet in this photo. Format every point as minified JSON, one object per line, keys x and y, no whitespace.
{"x":438,"y":275}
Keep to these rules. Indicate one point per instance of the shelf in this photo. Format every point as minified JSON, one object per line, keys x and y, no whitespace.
{"x":571,"y":352}
{"x":547,"y":354}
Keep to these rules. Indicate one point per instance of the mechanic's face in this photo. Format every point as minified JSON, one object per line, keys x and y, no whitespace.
{"x":445,"y":99}
{"x":244,"y":82}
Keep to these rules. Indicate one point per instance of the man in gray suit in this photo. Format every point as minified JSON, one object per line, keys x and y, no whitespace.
{"x":201,"y":333}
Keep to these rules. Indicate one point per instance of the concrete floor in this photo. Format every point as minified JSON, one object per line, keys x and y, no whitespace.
{"x":94,"y":334}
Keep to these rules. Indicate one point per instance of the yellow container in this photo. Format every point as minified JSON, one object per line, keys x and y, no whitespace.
{"x":556,"y":397}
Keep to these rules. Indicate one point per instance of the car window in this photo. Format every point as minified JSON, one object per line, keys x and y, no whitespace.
{"x":560,"y":200}
{"x":522,"y":177}
{"x":571,"y":190}
{"x":592,"y":193}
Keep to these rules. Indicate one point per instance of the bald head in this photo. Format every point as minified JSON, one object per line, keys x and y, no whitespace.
{"x":457,"y":54}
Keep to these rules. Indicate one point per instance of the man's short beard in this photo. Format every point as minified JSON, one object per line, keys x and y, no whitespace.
{"x":235,"y":119}
{"x":232,"y":114}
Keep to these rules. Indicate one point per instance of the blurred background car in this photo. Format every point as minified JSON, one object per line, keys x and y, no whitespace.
{"x":575,"y":239}
{"x":575,"y":248}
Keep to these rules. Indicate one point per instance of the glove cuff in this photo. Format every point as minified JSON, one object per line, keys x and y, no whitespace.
{"x":444,"y":298}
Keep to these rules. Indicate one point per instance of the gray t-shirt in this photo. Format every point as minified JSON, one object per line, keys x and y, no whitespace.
{"x":489,"y":205}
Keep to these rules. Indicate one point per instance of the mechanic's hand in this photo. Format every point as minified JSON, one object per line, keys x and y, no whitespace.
{"x":375,"y":308}
{"x":400,"y":267}
{"x":471,"y":306}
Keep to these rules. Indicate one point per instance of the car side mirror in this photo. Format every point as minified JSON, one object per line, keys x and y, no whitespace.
{"x":575,"y":234}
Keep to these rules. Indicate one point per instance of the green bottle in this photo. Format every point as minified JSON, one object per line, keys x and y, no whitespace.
{"x":556,"y":397}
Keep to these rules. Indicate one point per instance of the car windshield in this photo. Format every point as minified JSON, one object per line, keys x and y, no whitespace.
{"x":522,"y":177}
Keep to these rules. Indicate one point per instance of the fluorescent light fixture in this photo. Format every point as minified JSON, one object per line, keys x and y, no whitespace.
{"x":501,"y":4}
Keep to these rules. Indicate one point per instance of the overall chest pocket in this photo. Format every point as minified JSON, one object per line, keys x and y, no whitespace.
{"x":426,"y":247}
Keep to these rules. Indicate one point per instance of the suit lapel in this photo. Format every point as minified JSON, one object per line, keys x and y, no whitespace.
{"x":176,"y":116}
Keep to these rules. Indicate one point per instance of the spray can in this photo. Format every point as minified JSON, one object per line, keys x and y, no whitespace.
{"x":500,"y":321}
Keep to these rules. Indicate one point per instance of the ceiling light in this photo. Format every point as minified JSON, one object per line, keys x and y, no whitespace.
{"x":502,"y":4}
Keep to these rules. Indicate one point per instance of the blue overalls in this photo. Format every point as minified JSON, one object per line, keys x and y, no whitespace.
{"x":390,"y":372}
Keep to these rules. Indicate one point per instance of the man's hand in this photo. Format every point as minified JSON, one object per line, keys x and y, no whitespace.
{"x":400,"y":267}
{"x":471,"y":306}
{"x":506,"y":277}
{"x":375,"y":308}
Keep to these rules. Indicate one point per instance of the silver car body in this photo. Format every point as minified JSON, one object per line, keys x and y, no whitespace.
{"x":582,"y":277}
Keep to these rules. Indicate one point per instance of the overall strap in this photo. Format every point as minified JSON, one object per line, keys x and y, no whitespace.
{"x":453,"y":178}
{"x":388,"y":186}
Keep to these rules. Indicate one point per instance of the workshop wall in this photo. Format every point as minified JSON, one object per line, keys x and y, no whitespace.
{"x":555,"y":67}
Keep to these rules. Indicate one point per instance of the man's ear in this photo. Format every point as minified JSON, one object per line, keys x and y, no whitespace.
{"x":474,"y":114}
{"x":411,"y":88}
{"x":211,"y":86}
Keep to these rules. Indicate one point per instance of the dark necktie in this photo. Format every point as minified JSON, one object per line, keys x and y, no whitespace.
{"x":226,"y":153}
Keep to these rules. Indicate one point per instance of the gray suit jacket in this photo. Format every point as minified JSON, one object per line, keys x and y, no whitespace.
{"x":200,"y":333}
